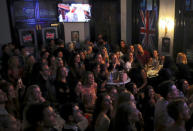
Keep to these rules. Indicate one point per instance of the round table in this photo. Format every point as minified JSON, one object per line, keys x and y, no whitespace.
{"x":109,"y":83}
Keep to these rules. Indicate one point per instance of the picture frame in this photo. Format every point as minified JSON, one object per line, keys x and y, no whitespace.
{"x":166,"y":45}
{"x":75,"y":36}
{"x":49,"y":33}
{"x":28,"y":37}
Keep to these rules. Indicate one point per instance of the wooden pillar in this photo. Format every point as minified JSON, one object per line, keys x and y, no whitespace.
{"x":126,"y":20}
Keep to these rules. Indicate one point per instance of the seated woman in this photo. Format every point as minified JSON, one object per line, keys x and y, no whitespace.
{"x":113,"y":93}
{"x":52,"y":63}
{"x":139,"y":96}
{"x":7,"y":121}
{"x":89,"y":53}
{"x":153,"y":62}
{"x":129,"y":62}
{"x":63,"y":92}
{"x":33,"y":95}
{"x":183,"y":68}
{"x":123,"y":47}
{"x":100,"y":76}
{"x":12,"y":104}
{"x":132,"y":87}
{"x":14,"y":70}
{"x":88,"y":92}
{"x":105,"y":55}
{"x":77,"y":68}
{"x":155,"y":59}
{"x":102,"y":113}
{"x":138,"y":75}
{"x":99,"y":59}
{"x":115,"y":64}
{"x":149,"y":65}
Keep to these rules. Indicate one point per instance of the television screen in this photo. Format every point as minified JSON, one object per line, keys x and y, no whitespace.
{"x":74,"y":12}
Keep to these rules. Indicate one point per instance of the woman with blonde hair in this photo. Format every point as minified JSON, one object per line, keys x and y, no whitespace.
{"x":33,"y":95}
{"x":181,"y":58}
{"x":184,"y":71}
{"x":105,"y":55}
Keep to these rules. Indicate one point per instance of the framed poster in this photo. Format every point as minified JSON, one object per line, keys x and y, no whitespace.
{"x":166,"y":45}
{"x":28,"y":38}
{"x":75,"y":36}
{"x":49,"y":33}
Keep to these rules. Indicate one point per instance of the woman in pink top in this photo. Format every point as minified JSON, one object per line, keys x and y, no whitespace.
{"x":89,"y":91}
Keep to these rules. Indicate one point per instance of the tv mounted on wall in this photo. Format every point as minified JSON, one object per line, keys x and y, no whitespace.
{"x":74,"y":12}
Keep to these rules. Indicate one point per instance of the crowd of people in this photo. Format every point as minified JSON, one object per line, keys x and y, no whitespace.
{"x":65,"y":88}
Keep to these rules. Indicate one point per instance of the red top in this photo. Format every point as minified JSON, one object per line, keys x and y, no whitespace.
{"x":143,"y":59}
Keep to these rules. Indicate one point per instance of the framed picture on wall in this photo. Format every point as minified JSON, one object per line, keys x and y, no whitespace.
{"x":166,"y":45}
{"x":75,"y":36}
{"x":28,"y":39}
{"x":49,"y":33}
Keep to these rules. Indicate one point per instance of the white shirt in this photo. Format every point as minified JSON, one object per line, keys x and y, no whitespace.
{"x":128,"y":65}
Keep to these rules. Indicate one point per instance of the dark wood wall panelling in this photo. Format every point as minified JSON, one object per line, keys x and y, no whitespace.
{"x":135,"y":21}
{"x":106,"y":20}
{"x":179,"y":27}
{"x":183,"y":40}
{"x":31,"y":14}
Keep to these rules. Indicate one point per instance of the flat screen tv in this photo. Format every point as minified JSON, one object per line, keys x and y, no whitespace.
{"x":74,"y":12}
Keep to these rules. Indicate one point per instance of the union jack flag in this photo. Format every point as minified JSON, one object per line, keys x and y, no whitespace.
{"x":27,"y":38}
{"x":49,"y":35}
{"x":147,"y":30}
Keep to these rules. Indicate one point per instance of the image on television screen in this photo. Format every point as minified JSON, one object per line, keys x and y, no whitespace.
{"x":74,"y":12}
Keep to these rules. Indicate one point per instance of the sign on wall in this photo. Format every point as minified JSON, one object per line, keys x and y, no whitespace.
{"x":49,"y":33}
{"x":28,"y":39}
{"x":75,"y":36}
{"x":166,"y":45}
